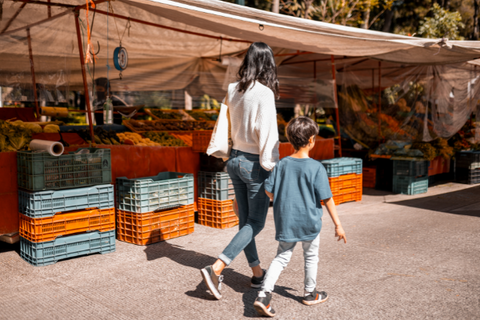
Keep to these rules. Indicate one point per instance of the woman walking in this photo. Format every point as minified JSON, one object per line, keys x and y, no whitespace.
{"x":251,"y":104}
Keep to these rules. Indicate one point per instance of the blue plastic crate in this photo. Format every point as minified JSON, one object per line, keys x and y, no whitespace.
{"x":340,"y":166}
{"x":45,"y":253}
{"x":39,"y":171}
{"x":411,"y":168}
{"x":43,"y":204}
{"x":410,"y":185}
{"x":467,"y":159}
{"x":215,"y":186}
{"x":163,"y":191}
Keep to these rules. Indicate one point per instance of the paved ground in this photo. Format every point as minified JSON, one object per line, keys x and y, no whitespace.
{"x":407,"y":257}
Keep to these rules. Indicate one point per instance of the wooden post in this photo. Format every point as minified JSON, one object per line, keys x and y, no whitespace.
{"x":379,"y":110}
{"x":334,"y":77}
{"x":32,"y":69}
{"x":84,"y":75}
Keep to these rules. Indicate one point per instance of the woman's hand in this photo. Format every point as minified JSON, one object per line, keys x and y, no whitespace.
{"x":269,"y":194}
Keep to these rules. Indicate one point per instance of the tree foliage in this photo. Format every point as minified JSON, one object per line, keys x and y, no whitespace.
{"x":443,"y":24}
{"x":453,"y":19}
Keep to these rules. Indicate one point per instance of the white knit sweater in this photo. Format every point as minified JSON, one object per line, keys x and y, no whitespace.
{"x":254,"y":122}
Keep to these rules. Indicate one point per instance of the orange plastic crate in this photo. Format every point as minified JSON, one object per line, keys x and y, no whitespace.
{"x":369,"y":177}
{"x":346,"y":183}
{"x":201,"y":140}
{"x":152,"y":227}
{"x":48,"y":229}
{"x":353,"y":196}
{"x":216,"y":213}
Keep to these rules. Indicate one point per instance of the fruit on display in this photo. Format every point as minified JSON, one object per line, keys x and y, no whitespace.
{"x":14,"y":136}
{"x":136,"y":139}
{"x":165,"y":139}
{"x":159,"y":125}
{"x":167,"y":115}
{"x":51,"y":128}
{"x":211,"y":115}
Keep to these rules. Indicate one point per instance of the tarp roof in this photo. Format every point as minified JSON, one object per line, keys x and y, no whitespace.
{"x":184,"y":38}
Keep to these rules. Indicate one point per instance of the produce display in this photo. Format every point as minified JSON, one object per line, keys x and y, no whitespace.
{"x":133,"y":138}
{"x":282,"y":127}
{"x":159,"y":125}
{"x":203,"y":115}
{"x":101,"y":136}
{"x":15,"y":135}
{"x":425,"y":150}
{"x":165,"y":139}
{"x":166,"y":115}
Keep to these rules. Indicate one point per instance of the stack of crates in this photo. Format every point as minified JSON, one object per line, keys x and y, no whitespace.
{"x":154,"y":209}
{"x":467,"y":167}
{"x":215,"y":200}
{"x":345,"y":178}
{"x":66,"y":205}
{"x":410,"y":176}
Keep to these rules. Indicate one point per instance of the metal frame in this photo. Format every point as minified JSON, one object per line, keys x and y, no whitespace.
{"x":32,"y":69}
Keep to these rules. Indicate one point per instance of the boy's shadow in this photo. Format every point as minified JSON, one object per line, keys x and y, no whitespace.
{"x":237,"y":281}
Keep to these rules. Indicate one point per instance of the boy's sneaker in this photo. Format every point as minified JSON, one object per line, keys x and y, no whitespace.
{"x":257,"y":282}
{"x":262,"y":304}
{"x":213,"y":282}
{"x":315,"y":297}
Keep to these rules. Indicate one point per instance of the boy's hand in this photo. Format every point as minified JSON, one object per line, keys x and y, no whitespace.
{"x":340,"y":234}
{"x":269,"y":194}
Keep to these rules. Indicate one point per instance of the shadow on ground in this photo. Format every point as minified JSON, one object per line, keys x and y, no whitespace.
{"x":462,"y":202}
{"x":5,"y":247}
{"x":237,"y":281}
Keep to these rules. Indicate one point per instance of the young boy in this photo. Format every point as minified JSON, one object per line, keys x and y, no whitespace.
{"x":296,"y":186}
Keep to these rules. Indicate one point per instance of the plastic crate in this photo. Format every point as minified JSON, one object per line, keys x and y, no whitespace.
{"x":348,"y":183}
{"x":201,"y":140}
{"x":48,"y":229}
{"x":467,"y":159}
{"x":212,"y":164}
{"x":152,"y":227}
{"x":45,"y":253}
{"x":410,"y":185}
{"x":411,"y":168}
{"x":215,"y":186}
{"x":369,"y":177}
{"x":352,"y":195}
{"x":41,"y":171}
{"x":469,"y":176}
{"x":340,"y":166}
{"x":163,"y":191}
{"x":216,"y":213}
{"x":384,"y":174}
{"x":47,"y":203}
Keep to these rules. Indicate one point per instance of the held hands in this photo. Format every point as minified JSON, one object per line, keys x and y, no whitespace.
{"x":340,"y":234}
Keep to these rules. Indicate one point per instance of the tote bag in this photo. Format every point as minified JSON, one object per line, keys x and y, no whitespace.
{"x":221,"y":143}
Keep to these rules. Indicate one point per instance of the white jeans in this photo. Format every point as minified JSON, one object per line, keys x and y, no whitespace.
{"x":284,"y":254}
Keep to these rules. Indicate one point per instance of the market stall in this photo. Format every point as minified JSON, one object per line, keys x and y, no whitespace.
{"x":181,"y":54}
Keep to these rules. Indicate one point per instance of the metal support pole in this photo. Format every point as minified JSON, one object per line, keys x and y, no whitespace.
{"x":84,"y":75}
{"x":49,"y":10}
{"x":379,"y":110}
{"x":314,"y":91}
{"x":334,"y":77}
{"x":15,"y":15}
{"x":32,"y":69}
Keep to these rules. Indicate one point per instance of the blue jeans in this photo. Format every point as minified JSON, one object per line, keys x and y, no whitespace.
{"x":247,"y":177}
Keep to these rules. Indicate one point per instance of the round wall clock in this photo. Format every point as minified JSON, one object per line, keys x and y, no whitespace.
{"x":120,"y":58}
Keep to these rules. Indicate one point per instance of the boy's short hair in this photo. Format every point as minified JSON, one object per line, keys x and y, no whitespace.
{"x":299,"y":130}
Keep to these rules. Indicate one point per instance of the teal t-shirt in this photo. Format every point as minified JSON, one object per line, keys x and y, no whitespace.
{"x":298,"y":185}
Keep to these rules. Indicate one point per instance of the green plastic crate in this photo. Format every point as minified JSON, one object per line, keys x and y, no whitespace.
{"x":163,"y":191}
{"x":410,"y":185}
{"x":215,"y":186}
{"x":39,"y":171}
{"x":411,"y":168}
{"x":45,"y":253}
{"x":43,"y":204}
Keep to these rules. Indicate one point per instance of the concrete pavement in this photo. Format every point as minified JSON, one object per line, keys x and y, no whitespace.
{"x":407,"y":257}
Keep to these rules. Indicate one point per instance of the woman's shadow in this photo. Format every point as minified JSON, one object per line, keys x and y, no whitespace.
{"x":237,"y":281}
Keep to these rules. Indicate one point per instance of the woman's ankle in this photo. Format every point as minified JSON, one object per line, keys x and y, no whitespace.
{"x":218,"y":267}
{"x":257,"y":271}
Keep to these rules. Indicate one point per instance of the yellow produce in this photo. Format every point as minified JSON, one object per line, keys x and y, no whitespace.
{"x":51,"y":128}
{"x":33,"y":127}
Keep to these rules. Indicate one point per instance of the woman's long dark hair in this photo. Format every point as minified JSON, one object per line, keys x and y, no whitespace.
{"x":259,"y":65}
